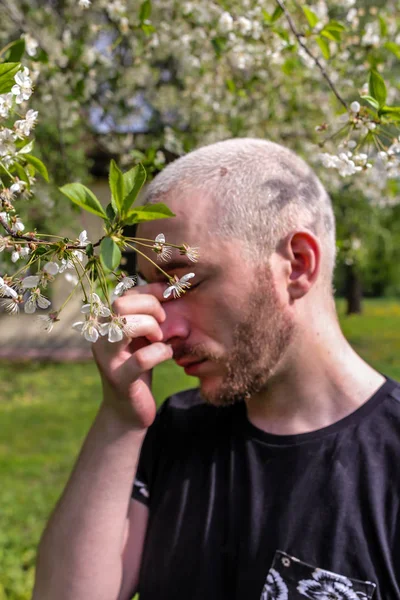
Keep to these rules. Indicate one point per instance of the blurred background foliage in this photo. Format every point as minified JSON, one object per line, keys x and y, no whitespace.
{"x":146,"y":81}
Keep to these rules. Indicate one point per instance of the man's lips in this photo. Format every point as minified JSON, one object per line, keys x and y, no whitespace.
{"x":185,"y":362}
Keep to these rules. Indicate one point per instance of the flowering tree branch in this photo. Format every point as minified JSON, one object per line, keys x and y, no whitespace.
{"x":316,"y":60}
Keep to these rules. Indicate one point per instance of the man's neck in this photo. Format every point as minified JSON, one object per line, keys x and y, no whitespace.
{"x":321,"y":383}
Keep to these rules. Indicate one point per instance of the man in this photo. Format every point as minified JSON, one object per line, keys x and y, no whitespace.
{"x":277,"y":478}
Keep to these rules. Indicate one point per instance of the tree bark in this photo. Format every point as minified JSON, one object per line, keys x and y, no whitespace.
{"x":353,"y":291}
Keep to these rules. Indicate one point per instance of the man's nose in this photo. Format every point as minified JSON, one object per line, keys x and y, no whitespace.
{"x":176,"y":325}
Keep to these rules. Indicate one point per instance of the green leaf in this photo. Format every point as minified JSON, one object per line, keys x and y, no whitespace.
{"x":38,"y":165}
{"x":219,"y":44}
{"x":147,"y":29}
{"x":16,"y":51}
{"x":392,"y":112}
{"x":83,"y":197}
{"x":383,"y":27}
{"x":377,"y":87}
{"x":21,"y":173}
{"x":145,"y":11}
{"x":331,"y":35}
{"x":133,"y":181}
{"x":371,"y":101}
{"x":335,"y":26}
{"x":27,"y":148}
{"x":117,"y":187}
{"x":310,"y":16}
{"x":150,"y":212}
{"x":394,"y":48}
{"x":230,"y":84}
{"x":324,"y":46}
{"x":7,"y":74}
{"x":266,"y":16}
{"x":278,"y":12}
{"x":110,"y":212}
{"x":110,"y":254}
{"x":41,"y":56}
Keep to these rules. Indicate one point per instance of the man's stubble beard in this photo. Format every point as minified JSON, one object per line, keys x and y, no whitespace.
{"x":260,"y":340}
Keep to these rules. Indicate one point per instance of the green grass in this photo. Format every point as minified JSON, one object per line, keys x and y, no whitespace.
{"x":46,"y":410}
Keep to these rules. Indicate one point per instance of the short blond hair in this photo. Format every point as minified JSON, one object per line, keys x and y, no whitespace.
{"x":262,"y":191}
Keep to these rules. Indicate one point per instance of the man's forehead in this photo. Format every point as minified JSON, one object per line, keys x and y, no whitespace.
{"x":189,"y":224}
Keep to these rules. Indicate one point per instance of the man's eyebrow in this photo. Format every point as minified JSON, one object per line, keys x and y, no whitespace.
{"x":170,"y":266}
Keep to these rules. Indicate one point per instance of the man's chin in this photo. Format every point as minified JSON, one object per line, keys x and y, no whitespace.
{"x":213,"y":392}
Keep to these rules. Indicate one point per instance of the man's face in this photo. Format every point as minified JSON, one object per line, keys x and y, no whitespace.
{"x":232,"y":317}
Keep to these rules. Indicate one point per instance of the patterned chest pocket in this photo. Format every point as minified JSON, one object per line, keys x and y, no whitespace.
{"x":292,"y":579}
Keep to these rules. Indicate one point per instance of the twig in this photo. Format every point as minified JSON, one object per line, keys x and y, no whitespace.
{"x":31,"y":238}
{"x":310,"y":54}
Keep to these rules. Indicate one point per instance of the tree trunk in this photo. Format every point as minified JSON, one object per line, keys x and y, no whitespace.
{"x":353,"y":291}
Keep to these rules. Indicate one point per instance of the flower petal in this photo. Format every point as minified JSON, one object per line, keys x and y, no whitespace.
{"x":43,"y":302}
{"x":30,"y":305}
{"x":103,"y":328}
{"x":168,"y":291}
{"x":115,"y":333}
{"x":51,"y":268}
{"x":91,"y":334}
{"x":79,"y":325}
{"x":30,"y":282}
{"x":187,"y":277}
{"x":103,"y":311}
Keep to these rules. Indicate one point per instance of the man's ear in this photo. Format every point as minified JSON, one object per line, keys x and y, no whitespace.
{"x":303,"y":251}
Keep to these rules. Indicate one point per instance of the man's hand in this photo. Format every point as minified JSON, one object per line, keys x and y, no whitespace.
{"x":126,"y":367}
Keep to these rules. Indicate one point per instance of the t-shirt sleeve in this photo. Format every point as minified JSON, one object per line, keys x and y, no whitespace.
{"x":149,"y":457}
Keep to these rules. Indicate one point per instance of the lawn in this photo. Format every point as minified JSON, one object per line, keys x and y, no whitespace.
{"x":46,"y":409}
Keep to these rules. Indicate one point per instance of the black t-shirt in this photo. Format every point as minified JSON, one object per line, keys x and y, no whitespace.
{"x":240,"y":514}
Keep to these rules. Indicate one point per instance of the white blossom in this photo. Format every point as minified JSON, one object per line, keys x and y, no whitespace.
{"x":35,"y":300}
{"x":125,"y":284}
{"x":191,"y":252}
{"x":371,"y":36}
{"x":163,"y":252}
{"x":66,"y":264}
{"x":18,"y":187}
{"x":244,"y":25}
{"x":114,"y":329}
{"x":7,"y":142}
{"x":23,"y":127}
{"x":179,"y":286}
{"x":47,"y":321}
{"x":11,"y":306}
{"x":83,"y":238}
{"x":19,"y":253}
{"x":6,"y":290}
{"x":6,"y":103}
{"x":51,"y":268}
{"x":225,"y":23}
{"x":96,"y":307}
{"x":23,"y":87}
{"x":355,"y":107}
{"x":84,"y":3}
{"x":18,"y":226}
{"x":31,"y":281}
{"x":31,"y":44}
{"x":116,"y":9}
{"x":90,"y":329}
